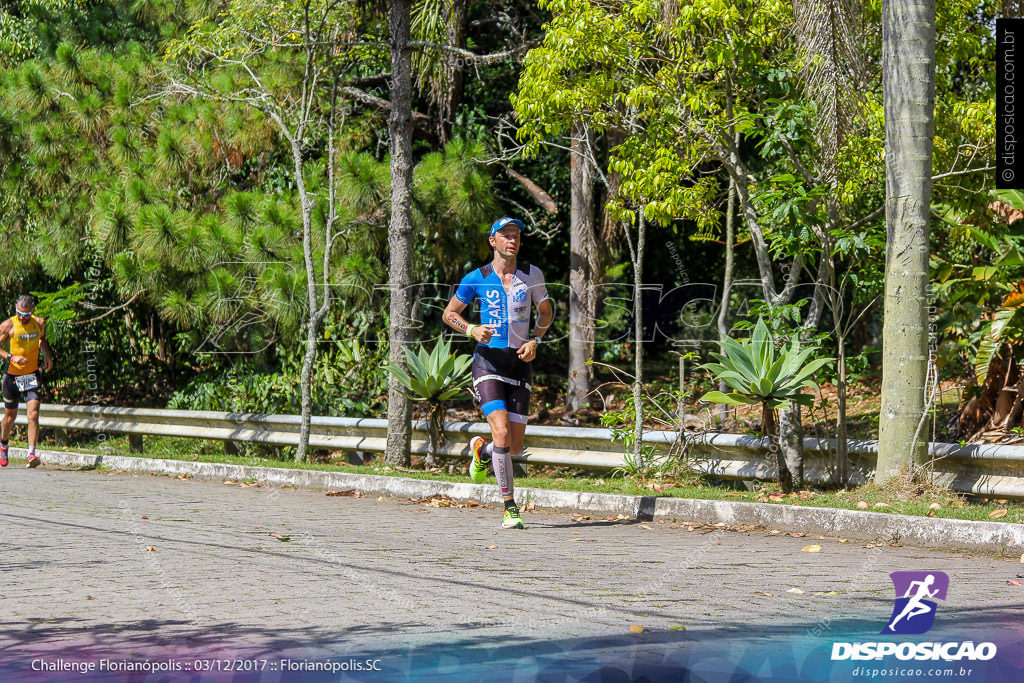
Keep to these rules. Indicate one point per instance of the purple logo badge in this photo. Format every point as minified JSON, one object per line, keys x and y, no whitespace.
{"x":914,"y":611}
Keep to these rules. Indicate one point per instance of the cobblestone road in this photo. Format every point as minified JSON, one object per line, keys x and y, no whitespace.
{"x":98,"y":564}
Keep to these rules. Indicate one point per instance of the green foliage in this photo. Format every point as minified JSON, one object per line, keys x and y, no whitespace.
{"x":433,"y":377}
{"x":758,"y":373}
{"x":348,"y":380}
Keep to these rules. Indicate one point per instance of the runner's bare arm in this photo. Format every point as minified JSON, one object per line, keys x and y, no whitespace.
{"x":452,"y":315}
{"x":5,"y":334}
{"x":547,"y":313}
{"x":453,"y":318}
{"x":44,"y":345}
{"x":528,"y":351}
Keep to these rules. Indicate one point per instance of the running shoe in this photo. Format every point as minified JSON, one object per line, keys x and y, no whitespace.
{"x":477,"y":467}
{"x":512,"y":520}
{"x":3,"y":456}
{"x":33,"y":461}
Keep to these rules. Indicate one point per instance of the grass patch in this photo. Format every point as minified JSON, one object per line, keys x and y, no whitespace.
{"x":897,"y":497}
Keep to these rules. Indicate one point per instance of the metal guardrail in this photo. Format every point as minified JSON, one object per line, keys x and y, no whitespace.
{"x":986,"y":469}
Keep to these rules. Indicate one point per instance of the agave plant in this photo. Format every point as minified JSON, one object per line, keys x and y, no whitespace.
{"x":757,"y":372}
{"x":434,"y":378}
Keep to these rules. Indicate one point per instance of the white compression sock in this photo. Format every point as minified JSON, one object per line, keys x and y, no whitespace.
{"x":502,"y":463}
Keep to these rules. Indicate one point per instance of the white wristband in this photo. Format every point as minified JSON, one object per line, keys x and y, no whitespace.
{"x":469,"y":330}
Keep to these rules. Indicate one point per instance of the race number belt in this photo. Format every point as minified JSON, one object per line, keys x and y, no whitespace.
{"x":26,"y":382}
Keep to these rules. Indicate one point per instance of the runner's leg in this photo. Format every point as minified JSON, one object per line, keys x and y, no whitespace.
{"x":32,"y":413}
{"x":500,"y":453}
{"x":11,"y":398}
{"x":8,"y":424}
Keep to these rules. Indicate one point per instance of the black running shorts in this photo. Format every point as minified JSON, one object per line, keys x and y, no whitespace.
{"x":501,"y":381}
{"x":12,"y":394}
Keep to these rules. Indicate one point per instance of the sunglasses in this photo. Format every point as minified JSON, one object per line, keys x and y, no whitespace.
{"x":22,"y":315}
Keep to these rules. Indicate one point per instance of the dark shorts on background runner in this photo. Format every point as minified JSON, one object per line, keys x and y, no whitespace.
{"x":502,"y":381}
{"x":12,"y":395}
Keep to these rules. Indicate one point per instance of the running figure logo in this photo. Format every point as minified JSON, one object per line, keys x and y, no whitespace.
{"x":913,"y":612}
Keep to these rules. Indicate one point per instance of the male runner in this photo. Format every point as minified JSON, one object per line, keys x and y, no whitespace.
{"x":27,"y":335}
{"x":501,"y":364}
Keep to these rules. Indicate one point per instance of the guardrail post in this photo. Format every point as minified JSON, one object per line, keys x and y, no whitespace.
{"x":135,"y":443}
{"x":355,"y":458}
{"x":232,"y":448}
{"x":60,"y":437}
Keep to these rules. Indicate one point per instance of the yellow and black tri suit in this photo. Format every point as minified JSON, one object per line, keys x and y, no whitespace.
{"x":25,"y":339}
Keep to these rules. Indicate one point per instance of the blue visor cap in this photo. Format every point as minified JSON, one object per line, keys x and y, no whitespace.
{"x":502,"y":222}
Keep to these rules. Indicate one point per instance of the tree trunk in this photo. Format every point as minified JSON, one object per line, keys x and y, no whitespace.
{"x":791,"y":445}
{"x":400,"y":229}
{"x":908,"y":74}
{"x":306,"y":383}
{"x":723,"y":313}
{"x":313,"y":323}
{"x":452,"y":66}
{"x":770,"y":429}
{"x":583,"y":268}
{"x":842,"y":452}
{"x":638,"y":314}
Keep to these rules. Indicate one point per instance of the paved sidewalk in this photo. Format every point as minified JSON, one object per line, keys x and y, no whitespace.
{"x":96,"y":564}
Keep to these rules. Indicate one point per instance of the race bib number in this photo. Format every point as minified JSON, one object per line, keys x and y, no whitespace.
{"x":26,"y":382}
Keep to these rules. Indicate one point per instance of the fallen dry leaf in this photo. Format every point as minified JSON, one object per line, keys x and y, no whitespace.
{"x":351,"y":493}
{"x":1014,"y":583}
{"x":795,"y":590}
{"x":811,"y":549}
{"x":881,"y":505}
{"x":491,"y":547}
{"x":844,"y":540}
{"x":997,"y":513}
{"x":380,"y":499}
{"x":89,"y":597}
{"x":934,"y":506}
{"x":798,"y":535}
{"x":770,"y":595}
{"x":636,"y":628}
{"x":862,"y":505}
{"x":576,"y":533}
{"x":644,"y":526}
{"x":151,"y":549}
{"x":1022,"y":559}
{"x":145,"y":516}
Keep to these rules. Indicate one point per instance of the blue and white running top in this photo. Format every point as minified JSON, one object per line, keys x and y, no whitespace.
{"x":511,"y":312}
